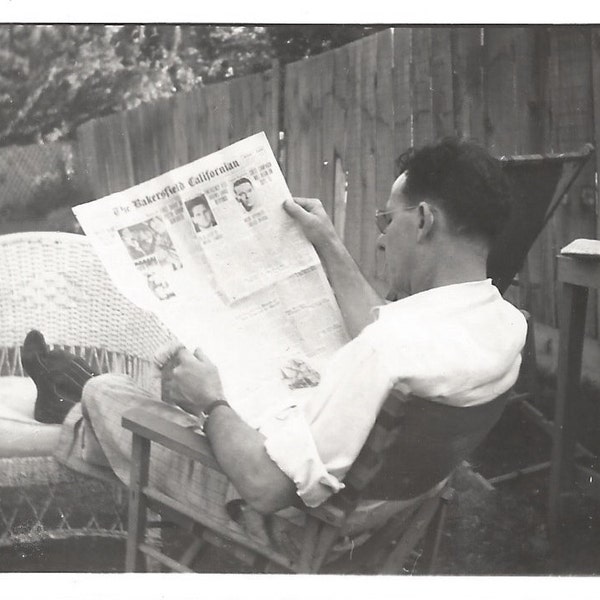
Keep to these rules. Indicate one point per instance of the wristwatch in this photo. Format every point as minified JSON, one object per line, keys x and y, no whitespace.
{"x":205,"y":414}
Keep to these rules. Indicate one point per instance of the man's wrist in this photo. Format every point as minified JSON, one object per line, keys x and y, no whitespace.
{"x":206,"y":412}
{"x":331,"y":248}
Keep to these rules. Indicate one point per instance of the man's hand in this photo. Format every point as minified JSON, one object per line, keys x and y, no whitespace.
{"x":161,"y":370}
{"x":196,"y":381}
{"x":311,"y":216}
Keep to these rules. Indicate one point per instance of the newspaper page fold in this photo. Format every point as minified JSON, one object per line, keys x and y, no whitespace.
{"x":209,"y":249}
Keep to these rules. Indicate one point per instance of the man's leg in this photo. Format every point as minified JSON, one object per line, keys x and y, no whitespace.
{"x":105,"y":398}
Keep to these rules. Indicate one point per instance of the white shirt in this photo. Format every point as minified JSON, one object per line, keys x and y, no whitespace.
{"x":460,"y":344}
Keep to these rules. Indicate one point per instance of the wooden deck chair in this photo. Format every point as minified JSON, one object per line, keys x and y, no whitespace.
{"x":414,"y":444}
{"x":539,"y":183}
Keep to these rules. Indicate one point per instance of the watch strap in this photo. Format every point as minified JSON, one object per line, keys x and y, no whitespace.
{"x":206,"y":412}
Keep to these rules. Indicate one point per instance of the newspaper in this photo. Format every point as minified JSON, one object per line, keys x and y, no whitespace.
{"x":209,"y":249}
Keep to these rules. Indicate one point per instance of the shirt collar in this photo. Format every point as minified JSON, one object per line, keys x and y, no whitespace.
{"x":473,"y":290}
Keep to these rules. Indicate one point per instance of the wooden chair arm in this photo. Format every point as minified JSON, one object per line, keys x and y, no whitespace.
{"x":189,"y":443}
{"x":178,"y":438}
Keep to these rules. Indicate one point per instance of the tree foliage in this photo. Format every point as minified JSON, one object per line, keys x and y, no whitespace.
{"x":55,"y":77}
{"x":52,"y":78}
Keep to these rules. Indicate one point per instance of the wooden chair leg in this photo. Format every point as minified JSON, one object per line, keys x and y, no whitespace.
{"x":572,"y":328}
{"x":371,"y":554}
{"x":529,"y":365}
{"x":411,"y":537}
{"x":136,"y":528}
{"x":433,"y":537}
{"x":309,"y":542}
{"x":325,"y":542}
{"x":192,"y":552}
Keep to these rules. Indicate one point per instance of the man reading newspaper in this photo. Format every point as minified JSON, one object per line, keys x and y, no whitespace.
{"x":452,"y":338}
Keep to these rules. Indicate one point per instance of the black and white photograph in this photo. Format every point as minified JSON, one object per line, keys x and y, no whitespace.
{"x":200,"y":213}
{"x":243,"y":190}
{"x":442,"y":177}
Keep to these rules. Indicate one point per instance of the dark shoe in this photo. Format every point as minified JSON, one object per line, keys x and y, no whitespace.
{"x":59,"y":377}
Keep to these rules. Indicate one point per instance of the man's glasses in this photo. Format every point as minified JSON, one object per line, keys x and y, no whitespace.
{"x":383,"y":218}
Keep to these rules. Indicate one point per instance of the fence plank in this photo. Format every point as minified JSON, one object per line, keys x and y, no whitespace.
{"x":527,"y":92}
{"x":571,"y":126}
{"x":442,"y":100}
{"x":143,"y":127}
{"x":88,"y":160}
{"x":422,"y":98}
{"x":595,"y":63}
{"x":326,"y":192}
{"x":180,"y":107}
{"x":218,"y":104}
{"x":353,"y":206}
{"x":544,"y":294}
{"x":368,"y":155}
{"x":341,"y":126}
{"x":384,"y":161}
{"x":500,"y":102}
{"x":401,"y":77}
{"x":164,"y":137}
{"x":291,"y":128}
{"x":467,"y":57}
{"x":531,"y":56}
{"x":314,"y":130}
{"x":273,"y":116}
{"x":104,"y":149}
{"x":502,"y":124}
{"x":303,"y":132}
{"x":195,"y":118}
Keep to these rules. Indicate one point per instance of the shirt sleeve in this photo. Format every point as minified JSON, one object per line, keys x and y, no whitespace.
{"x":315,"y":443}
{"x":289,"y":443}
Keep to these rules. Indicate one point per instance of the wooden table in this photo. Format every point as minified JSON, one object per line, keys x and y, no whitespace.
{"x":576,"y":276}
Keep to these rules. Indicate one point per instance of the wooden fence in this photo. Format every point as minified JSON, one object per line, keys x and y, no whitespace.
{"x":347,"y":114}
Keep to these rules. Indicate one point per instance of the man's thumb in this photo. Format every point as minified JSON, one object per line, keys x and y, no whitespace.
{"x":291,"y":207}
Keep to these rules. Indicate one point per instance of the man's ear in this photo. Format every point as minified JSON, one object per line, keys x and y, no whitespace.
{"x":426,"y":220}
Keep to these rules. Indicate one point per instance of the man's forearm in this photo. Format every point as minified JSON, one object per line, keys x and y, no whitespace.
{"x":241,"y":453}
{"x":355,"y":295}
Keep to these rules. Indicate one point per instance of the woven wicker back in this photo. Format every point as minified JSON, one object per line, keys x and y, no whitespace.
{"x":55,"y":283}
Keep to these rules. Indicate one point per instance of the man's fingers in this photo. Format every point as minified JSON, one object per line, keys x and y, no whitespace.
{"x":292,"y":208}
{"x":298,"y":207}
{"x":308,"y":203}
{"x":185,"y":355}
{"x":166,"y":352}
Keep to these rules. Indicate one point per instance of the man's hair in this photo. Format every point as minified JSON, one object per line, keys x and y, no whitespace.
{"x":464,"y":180}
{"x":241,"y":180}
{"x":197,"y":201}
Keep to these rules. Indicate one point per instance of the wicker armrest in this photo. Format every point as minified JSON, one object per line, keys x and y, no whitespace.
{"x":170,"y":435}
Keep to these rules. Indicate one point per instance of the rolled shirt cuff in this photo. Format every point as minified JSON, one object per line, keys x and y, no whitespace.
{"x":290,"y":444}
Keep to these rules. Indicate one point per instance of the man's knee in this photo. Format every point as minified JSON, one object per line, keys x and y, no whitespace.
{"x":101,"y":388}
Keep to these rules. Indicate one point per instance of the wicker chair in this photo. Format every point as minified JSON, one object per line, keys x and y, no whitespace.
{"x":55,"y":283}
